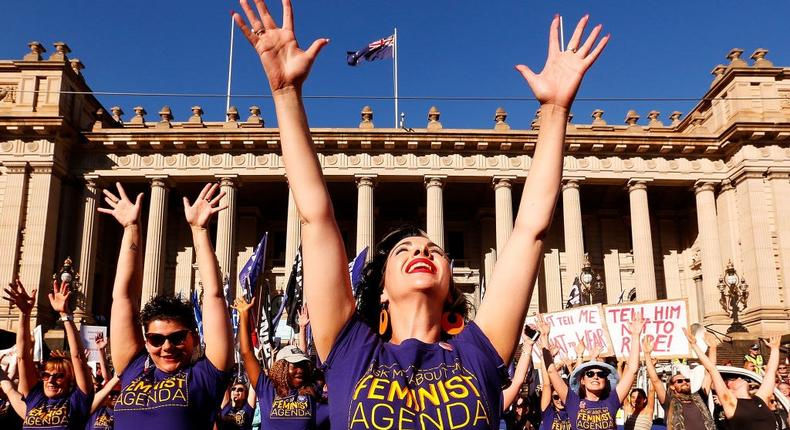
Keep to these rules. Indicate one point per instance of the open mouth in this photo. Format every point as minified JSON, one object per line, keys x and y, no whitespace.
{"x":421,"y":265}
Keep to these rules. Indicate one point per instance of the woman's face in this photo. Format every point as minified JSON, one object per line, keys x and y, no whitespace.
{"x":594,"y":380}
{"x":637,"y":399}
{"x":170,"y":344}
{"x":557,"y":401}
{"x":416,"y":264}
{"x":56,"y":382}
{"x":297,"y":373}
{"x":237,"y":393}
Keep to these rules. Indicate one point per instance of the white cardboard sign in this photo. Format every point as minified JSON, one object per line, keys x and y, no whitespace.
{"x":665,"y":320}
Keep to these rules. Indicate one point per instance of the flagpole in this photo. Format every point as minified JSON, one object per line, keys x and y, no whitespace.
{"x":395,"y":73}
{"x":230,"y":65}
{"x":562,"y":36}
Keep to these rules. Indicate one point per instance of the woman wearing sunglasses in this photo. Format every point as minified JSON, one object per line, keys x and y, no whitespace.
{"x":287,"y":394}
{"x":60,"y":396}
{"x":237,"y":408}
{"x":409,"y":336}
{"x":596,"y":392}
{"x":161,"y":385}
{"x":554,"y":416}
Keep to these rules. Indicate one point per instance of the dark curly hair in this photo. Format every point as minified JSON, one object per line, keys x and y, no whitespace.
{"x":168,"y":308}
{"x":371,"y":283}
{"x":278,"y":374}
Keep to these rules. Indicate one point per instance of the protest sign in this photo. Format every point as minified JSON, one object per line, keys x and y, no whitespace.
{"x":89,"y":334}
{"x":570,"y":326}
{"x":665,"y":320}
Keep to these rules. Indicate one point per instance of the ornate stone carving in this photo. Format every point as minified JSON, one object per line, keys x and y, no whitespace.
{"x":675,"y":118}
{"x":735,"y":58}
{"x":433,"y":119}
{"x":36,"y":49}
{"x":500,"y":116}
{"x":597,"y":116}
{"x":759,"y":58}
{"x":367,"y":117}
{"x":165,"y":116}
{"x":139,"y":116}
{"x":61,"y":52}
{"x":197,"y":115}
{"x":717,"y":73}
{"x":652,"y":116}
{"x":7,"y":94}
{"x":117,"y":114}
{"x":254,"y":120}
{"x":76,"y":66}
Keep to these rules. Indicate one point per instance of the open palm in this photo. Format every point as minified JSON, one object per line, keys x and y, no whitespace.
{"x":17,"y":296}
{"x":284,"y":62}
{"x":124,"y":211}
{"x":205,"y":206}
{"x":59,"y":297}
{"x":562,"y":74}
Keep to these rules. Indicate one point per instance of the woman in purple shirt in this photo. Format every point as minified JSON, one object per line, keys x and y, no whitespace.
{"x":60,"y":396}
{"x":419,"y":367}
{"x":161,"y":386}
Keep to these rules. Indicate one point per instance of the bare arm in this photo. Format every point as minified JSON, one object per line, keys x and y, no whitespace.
{"x":326,"y":281}
{"x":102,"y":394}
{"x":251,"y":365}
{"x":713,"y":346}
{"x":252,"y":397}
{"x":632,"y":366}
{"x":59,"y":299}
{"x":216,"y":322}
{"x":548,"y":359}
{"x":303,"y":320}
{"x":651,"y":400}
{"x":769,"y":380}
{"x":12,"y":394}
{"x":726,"y":398}
{"x":655,"y":381}
{"x":545,"y":391}
{"x":126,"y":334}
{"x":500,"y":316}
{"x":17,"y":296}
{"x":510,"y":393}
{"x":101,"y":344}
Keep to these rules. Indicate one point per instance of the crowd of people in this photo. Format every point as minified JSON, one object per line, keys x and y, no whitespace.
{"x":398,"y":351}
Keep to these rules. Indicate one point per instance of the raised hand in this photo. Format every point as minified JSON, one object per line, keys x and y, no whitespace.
{"x":636,"y":325}
{"x":242,"y":305}
{"x":101,"y":341}
{"x":124,"y":211}
{"x":579,"y":348}
{"x":206,"y":205}
{"x":304,"y":317}
{"x":690,"y":337}
{"x":16,"y":295}
{"x":562,"y":74}
{"x":59,"y":297}
{"x":773,"y":342}
{"x":647,"y":346}
{"x":285,"y":64}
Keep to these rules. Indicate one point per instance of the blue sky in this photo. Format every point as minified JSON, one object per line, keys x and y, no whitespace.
{"x":447,"y":49}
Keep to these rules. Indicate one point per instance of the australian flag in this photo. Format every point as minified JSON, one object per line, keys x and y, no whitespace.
{"x":377,"y":50}
{"x":248,"y":276}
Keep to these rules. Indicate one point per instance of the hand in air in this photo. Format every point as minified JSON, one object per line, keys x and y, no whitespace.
{"x":59,"y":297}
{"x":16,"y":295}
{"x":206,"y":205}
{"x":285,"y":64}
{"x":773,"y":342}
{"x":124,"y":211}
{"x":562,"y":74}
{"x":304,"y":317}
{"x":242,"y":305}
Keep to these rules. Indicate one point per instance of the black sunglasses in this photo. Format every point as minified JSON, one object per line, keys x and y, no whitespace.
{"x":599,"y":373}
{"x":681,"y":380}
{"x":46,"y":375}
{"x":237,"y":389}
{"x":555,"y":396}
{"x":176,"y":338}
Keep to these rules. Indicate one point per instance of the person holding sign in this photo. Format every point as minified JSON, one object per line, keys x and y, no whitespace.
{"x":161,"y":386}
{"x":410,"y":335}
{"x":60,"y":396}
{"x":595,"y":393}
{"x":683,"y":409}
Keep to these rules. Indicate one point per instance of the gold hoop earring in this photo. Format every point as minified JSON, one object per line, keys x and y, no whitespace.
{"x":384,"y":320}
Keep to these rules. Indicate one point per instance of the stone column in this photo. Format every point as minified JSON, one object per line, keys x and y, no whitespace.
{"x":87,"y":260}
{"x":503,"y":196}
{"x":727,"y":217}
{"x":435,"y":209}
{"x":226,"y":230}
{"x":40,"y":233}
{"x":612,"y":234}
{"x":154,"y":257}
{"x":710,"y":251}
{"x":554,"y":294}
{"x":365,"y":222}
{"x":572,"y":226}
{"x":779,"y":180}
{"x":644,"y":269}
{"x":487,"y":244}
{"x":11,"y":223}
{"x":292,"y":235}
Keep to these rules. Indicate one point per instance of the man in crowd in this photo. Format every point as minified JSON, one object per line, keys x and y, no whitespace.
{"x":754,"y":357}
{"x":783,"y":374}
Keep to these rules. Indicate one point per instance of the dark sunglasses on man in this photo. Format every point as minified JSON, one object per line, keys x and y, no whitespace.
{"x":176,"y":338}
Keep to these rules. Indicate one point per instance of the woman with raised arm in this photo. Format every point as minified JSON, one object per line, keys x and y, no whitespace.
{"x":161,"y":386}
{"x":418,"y":345}
{"x":553,"y":414}
{"x":596,"y":392}
{"x":238,"y":408}
{"x":104,"y":400}
{"x":60,"y":396}
{"x":286,"y":395}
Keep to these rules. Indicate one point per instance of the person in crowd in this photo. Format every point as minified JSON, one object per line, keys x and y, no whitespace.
{"x":554,"y":416}
{"x":103,"y":403}
{"x":783,"y":374}
{"x":237,"y":408}
{"x":594,"y":392}
{"x":754,"y":357}
{"x":161,"y":385}
{"x":287,"y":395}
{"x":784,"y":388}
{"x":639,"y":409}
{"x":408,"y":333}
{"x":742,"y":410}
{"x":780,"y":414}
{"x":682,"y":408}
{"x":12,"y":404}
{"x":516,"y":416}
{"x":60,"y":396}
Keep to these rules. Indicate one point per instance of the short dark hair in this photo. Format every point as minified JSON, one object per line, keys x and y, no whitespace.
{"x":640,"y":391}
{"x":168,"y":308}
{"x":371,"y":284}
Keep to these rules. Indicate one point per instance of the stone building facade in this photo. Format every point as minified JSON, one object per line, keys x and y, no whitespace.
{"x":660,"y":207}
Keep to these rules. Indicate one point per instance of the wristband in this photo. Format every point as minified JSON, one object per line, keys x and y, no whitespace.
{"x":65,"y":318}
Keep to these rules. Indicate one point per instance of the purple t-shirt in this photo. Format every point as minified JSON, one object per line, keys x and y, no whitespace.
{"x":101,"y":419}
{"x":372,"y":383}
{"x":151,"y":399}
{"x":554,"y":419}
{"x":592,"y":415}
{"x":232,"y":418}
{"x":292,"y":412}
{"x":68,"y":412}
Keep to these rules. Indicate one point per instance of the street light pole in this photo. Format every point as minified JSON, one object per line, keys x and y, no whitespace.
{"x":734,"y":295}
